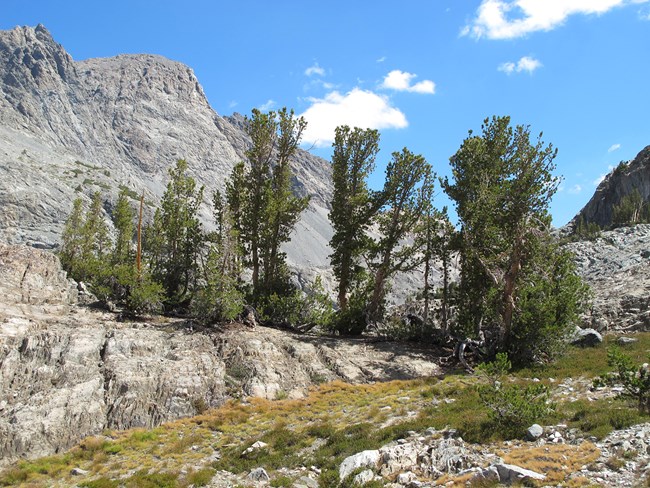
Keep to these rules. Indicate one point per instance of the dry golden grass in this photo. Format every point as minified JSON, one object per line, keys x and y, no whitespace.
{"x":556,"y":461}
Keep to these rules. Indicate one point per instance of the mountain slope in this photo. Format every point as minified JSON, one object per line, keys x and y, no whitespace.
{"x":70,"y":128}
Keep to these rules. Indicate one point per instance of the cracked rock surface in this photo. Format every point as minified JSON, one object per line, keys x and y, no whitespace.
{"x":68,"y":371}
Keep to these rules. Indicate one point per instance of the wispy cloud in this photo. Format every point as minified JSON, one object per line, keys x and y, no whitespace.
{"x":600,"y":179}
{"x":356,"y":108}
{"x":401,"y":81}
{"x":644,"y":14}
{"x":510,"y":19}
{"x":575,"y":189}
{"x":315,"y":69}
{"x":268,"y":105}
{"x":318,"y":84}
{"x":526,"y":63}
{"x":614,"y":147}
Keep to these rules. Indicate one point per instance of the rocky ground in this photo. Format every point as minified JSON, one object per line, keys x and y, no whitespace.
{"x":433,"y":458}
{"x":68,"y":371}
{"x":616,"y":266}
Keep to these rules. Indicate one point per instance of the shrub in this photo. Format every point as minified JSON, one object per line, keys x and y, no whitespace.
{"x":142,"y":479}
{"x":352,"y":320}
{"x":297,"y":307}
{"x":145,"y":296}
{"x":100,"y":483}
{"x":511,"y":408}
{"x":634,"y":379}
{"x":201,"y":477}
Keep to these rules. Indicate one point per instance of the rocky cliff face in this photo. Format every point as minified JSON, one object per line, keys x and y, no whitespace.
{"x":70,"y":128}
{"x":68,"y":371}
{"x":616,"y":266}
{"x":620,"y":182}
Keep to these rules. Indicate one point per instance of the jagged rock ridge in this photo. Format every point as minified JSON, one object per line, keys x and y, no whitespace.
{"x":620,"y":182}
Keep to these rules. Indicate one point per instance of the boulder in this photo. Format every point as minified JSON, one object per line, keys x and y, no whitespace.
{"x":509,"y":473}
{"x":33,"y":276}
{"x":586,"y":338}
{"x":255,"y":447}
{"x":534,"y":432}
{"x":624,"y":341}
{"x":364,"y":459}
{"x":395,"y":459}
{"x":259,"y":474}
{"x":365,"y":476}
{"x":305,"y":482}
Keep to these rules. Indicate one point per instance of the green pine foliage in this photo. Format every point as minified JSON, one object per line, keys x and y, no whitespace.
{"x":585,"y":230}
{"x":406,"y":198}
{"x":145,"y":295}
{"x":550,"y":298}
{"x":502,"y":186}
{"x":303,"y":309}
{"x":353,"y":210}
{"x":262,"y":203}
{"x":72,"y":246}
{"x":631,"y":210}
{"x":220,"y":297}
{"x":85,"y":245}
{"x":174,"y":240}
{"x":109,"y":269}
{"x":124,"y":222}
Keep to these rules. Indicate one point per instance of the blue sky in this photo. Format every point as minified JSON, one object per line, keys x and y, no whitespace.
{"x":423,"y":72}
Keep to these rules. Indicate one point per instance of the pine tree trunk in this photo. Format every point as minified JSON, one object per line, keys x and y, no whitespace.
{"x":509,"y":291}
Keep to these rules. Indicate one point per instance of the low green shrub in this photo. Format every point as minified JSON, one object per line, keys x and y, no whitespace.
{"x":511,"y":408}
{"x":635,"y":379}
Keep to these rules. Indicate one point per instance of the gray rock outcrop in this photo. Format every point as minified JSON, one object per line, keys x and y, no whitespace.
{"x":363,"y":459}
{"x":622,"y":181}
{"x":616,"y":266}
{"x":35,"y":277}
{"x":68,"y":371}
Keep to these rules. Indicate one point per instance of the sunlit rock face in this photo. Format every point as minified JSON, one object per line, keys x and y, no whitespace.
{"x":622,"y":181}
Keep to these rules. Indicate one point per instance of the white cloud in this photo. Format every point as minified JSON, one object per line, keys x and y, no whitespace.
{"x":526,"y":63}
{"x":575,"y":189}
{"x":614,"y":147}
{"x":508,"y":67}
{"x":315,"y":70}
{"x":356,"y":108}
{"x":401,"y":81}
{"x":266,"y":106}
{"x":510,"y":19}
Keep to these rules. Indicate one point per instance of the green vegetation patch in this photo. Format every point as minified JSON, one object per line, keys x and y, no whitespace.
{"x":129,"y":192}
